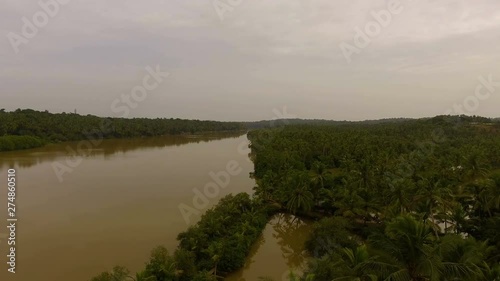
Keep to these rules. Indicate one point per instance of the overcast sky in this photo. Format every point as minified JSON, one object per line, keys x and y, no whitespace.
{"x":249,"y":59}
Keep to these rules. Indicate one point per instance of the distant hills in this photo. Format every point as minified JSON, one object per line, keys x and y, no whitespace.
{"x":437,"y":119}
{"x":282,"y":122}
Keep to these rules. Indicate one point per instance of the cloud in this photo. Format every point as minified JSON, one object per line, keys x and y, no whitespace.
{"x":264,"y":54}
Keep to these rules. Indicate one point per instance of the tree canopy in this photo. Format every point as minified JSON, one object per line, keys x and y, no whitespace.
{"x":410,"y":200}
{"x":50,"y":127}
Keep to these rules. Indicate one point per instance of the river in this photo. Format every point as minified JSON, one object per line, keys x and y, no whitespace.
{"x":112,"y":204}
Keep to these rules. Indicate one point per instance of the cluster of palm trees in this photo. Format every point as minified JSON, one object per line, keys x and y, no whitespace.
{"x":387,"y":207}
{"x":161,"y":267}
{"x":217,"y":245}
{"x":408,"y":249}
{"x":223,"y":237}
{"x":382,"y":177}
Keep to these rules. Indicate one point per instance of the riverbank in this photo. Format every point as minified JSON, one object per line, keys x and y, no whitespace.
{"x":16,"y":143}
{"x":13,"y":143}
{"x":280,"y":249}
{"x":120,"y":202}
{"x":62,"y":127}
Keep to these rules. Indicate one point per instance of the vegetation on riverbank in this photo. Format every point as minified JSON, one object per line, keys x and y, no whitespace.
{"x":9,"y":143}
{"x":222,"y":239}
{"x":61,"y":127}
{"x":215,"y":246}
{"x":409,"y":200}
{"x":414,"y":200}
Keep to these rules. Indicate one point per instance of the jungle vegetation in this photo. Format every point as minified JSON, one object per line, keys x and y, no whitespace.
{"x":413,"y":200}
{"x":410,"y":200}
{"x":215,"y":246}
{"x":44,"y":127}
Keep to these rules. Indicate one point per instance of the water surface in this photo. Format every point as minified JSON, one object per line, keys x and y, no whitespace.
{"x":279,"y":251}
{"x":121,"y":200}
{"x":114,"y":207}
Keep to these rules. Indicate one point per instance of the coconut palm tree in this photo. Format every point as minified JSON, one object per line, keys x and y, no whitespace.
{"x":476,"y":163}
{"x":353,"y":265}
{"x":433,"y":195}
{"x":407,"y":250}
{"x":399,"y":197}
{"x":490,"y":273}
{"x":299,"y":197}
{"x":462,"y":258}
{"x":161,"y":265}
{"x":318,"y":174}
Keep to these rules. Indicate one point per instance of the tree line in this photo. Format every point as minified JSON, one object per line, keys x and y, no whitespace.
{"x":44,"y":127}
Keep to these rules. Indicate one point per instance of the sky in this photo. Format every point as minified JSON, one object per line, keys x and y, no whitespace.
{"x":247,"y":60}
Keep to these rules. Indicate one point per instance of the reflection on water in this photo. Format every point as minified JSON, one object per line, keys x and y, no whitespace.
{"x":114,"y":207}
{"x":106,"y":148}
{"x":278,"y":251}
{"x":122,"y":201}
{"x":291,"y":234}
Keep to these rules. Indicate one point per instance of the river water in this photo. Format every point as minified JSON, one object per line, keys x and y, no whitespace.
{"x":110,"y":205}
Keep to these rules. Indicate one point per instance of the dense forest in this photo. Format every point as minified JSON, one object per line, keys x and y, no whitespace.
{"x":44,"y":127}
{"x":417,"y":200}
{"x":412,"y":200}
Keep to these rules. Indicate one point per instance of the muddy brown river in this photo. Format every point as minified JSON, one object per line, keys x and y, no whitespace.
{"x":79,"y":215}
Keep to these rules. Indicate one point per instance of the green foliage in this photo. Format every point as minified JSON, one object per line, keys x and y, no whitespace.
{"x":399,"y":200}
{"x":161,"y":265}
{"x":216,"y":245}
{"x":329,"y":235}
{"x":398,"y":197}
{"x":8,"y":143}
{"x":185,"y":262}
{"x":225,"y":234}
{"x":406,"y":250}
{"x":68,"y":127}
